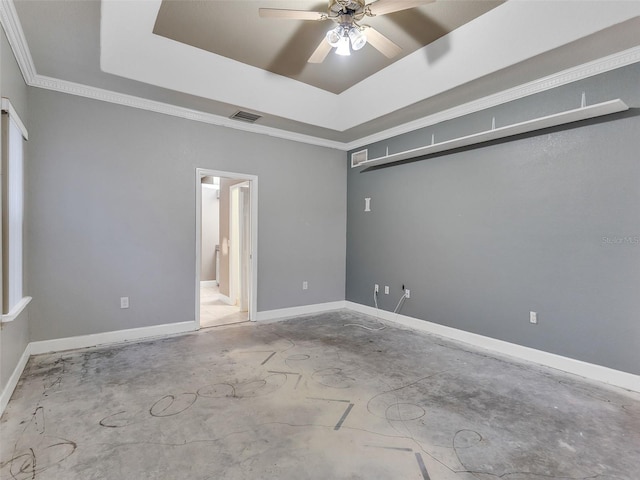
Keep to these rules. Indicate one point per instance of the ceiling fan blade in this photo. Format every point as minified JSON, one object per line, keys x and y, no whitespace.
{"x":382,"y":43}
{"x":321,"y":52}
{"x":291,"y":14}
{"x":382,"y":7}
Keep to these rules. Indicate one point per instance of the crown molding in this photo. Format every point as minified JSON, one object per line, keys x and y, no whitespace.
{"x":590,"y":69}
{"x":15,"y":35}
{"x":55,"y":84}
{"x":596,"y":67}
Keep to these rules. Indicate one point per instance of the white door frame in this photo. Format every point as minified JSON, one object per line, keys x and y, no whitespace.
{"x":239,"y":284}
{"x":253,"y":254}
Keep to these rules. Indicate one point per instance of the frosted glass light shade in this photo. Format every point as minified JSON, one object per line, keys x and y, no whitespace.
{"x":334,"y":36}
{"x":358,"y":39}
{"x":343,"y":47}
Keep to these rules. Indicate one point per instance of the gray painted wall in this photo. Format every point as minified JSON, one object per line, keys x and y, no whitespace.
{"x":547,"y":222}
{"x":14,"y":336}
{"x":99,"y":229}
{"x":13,"y":86}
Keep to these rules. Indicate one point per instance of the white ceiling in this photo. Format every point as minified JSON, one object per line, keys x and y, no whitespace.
{"x":108,"y":49}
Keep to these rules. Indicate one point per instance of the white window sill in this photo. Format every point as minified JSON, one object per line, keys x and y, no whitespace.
{"x":16,"y":311}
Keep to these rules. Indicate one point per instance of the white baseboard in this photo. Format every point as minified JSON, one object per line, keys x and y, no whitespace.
{"x":11,"y":385}
{"x":106,"y":338}
{"x":590,"y":371}
{"x":283,"y":313}
{"x":208,"y":283}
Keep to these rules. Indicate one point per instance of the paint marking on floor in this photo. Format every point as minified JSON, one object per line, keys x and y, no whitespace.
{"x":268,"y":358}
{"x":423,"y":468}
{"x":344,"y":416}
{"x":329,"y":399}
{"x":401,"y":449}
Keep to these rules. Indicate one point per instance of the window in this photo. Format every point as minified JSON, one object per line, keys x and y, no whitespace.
{"x":13,"y":136}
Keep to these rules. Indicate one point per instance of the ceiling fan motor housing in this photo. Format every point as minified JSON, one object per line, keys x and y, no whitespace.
{"x":353,"y":7}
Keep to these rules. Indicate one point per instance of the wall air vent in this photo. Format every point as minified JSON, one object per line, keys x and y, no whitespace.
{"x":357,"y":158}
{"x":245,"y":116}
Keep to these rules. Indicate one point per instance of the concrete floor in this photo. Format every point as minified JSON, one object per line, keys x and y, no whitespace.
{"x":312,"y":398}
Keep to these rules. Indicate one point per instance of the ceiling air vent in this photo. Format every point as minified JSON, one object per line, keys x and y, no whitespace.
{"x":357,"y":158}
{"x":245,"y":116}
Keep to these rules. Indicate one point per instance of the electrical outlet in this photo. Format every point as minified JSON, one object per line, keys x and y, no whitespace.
{"x":124,"y":302}
{"x":386,"y":289}
{"x":376,"y":288}
{"x":407,"y":293}
{"x":533,"y":317}
{"x":305,"y":285}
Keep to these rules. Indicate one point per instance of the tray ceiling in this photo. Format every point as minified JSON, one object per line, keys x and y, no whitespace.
{"x":235,"y":31}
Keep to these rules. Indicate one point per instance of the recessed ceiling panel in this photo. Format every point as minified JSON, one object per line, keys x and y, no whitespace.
{"x":235,"y":30}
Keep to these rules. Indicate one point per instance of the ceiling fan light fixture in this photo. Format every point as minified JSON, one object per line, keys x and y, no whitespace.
{"x":358,"y":39}
{"x":343,"y":47}
{"x":334,"y":36}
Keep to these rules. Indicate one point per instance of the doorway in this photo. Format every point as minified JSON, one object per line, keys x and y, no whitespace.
{"x":226,"y":235}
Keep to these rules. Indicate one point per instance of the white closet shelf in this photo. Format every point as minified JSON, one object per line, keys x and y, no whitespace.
{"x":569,"y":116}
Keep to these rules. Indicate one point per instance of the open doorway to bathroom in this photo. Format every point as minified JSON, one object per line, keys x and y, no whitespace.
{"x":226,"y":235}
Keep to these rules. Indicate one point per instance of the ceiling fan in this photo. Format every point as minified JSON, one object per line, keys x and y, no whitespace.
{"x":348,"y":32}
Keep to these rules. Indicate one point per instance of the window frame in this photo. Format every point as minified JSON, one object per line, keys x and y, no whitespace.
{"x":13,"y":212}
